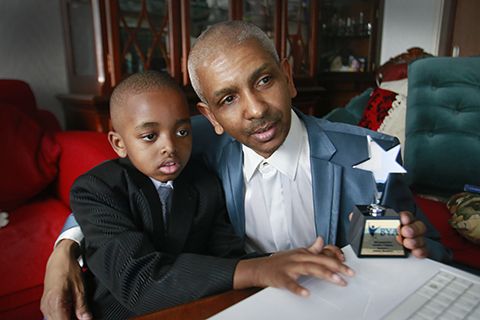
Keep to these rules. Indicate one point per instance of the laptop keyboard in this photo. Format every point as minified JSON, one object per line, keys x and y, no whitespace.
{"x":444,"y":296}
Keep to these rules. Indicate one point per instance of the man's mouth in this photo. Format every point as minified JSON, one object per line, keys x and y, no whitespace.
{"x":169,"y":167}
{"x":265,"y":133}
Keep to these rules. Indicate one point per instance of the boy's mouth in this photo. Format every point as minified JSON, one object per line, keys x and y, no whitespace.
{"x":169,"y":167}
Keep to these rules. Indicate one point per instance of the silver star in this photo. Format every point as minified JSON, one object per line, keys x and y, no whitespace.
{"x":381,"y":163}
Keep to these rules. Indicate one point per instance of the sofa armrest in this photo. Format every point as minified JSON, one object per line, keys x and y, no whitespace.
{"x":80,"y":151}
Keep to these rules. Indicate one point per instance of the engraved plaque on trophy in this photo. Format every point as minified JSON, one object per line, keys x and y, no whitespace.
{"x":373,"y":232}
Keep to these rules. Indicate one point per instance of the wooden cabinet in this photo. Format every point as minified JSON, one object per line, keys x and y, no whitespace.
{"x":108,"y":39}
{"x":349,"y":48}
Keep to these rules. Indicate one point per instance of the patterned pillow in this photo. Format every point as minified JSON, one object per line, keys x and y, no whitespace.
{"x":394,"y":122}
{"x":377,"y":108}
{"x":465,"y":210}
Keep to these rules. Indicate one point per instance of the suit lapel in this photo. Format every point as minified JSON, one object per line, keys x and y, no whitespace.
{"x":148,"y":191}
{"x":326,"y":181}
{"x":231,"y":163}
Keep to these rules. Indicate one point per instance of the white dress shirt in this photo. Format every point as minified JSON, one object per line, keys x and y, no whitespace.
{"x":278,"y":195}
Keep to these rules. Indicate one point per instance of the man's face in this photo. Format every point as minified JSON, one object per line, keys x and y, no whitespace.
{"x":248,"y":95}
{"x":154,"y":131}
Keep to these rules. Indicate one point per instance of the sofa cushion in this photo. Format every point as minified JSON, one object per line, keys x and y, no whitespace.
{"x":377,"y":108}
{"x":81,"y":151}
{"x":18,"y":93}
{"x":442,"y":149}
{"x":29,"y":157}
{"x":28,"y":241}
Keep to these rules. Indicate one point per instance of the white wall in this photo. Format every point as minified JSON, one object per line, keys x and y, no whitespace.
{"x":32,"y":49}
{"x":410,"y":23}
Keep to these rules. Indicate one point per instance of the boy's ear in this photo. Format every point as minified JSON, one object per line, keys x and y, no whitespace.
{"x":204,"y":109}
{"x":287,"y":69}
{"x":117,"y":144}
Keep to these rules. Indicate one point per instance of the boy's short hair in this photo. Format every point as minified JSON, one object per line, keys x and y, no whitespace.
{"x":142,"y":82}
{"x":138,"y":83}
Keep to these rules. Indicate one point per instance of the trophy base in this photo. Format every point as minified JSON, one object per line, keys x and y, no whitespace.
{"x":374,"y":235}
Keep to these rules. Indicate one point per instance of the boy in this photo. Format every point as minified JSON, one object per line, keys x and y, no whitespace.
{"x":147,"y":251}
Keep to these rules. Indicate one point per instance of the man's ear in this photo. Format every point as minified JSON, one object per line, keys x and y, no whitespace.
{"x":287,"y":69}
{"x":117,"y":144}
{"x":204,"y":109}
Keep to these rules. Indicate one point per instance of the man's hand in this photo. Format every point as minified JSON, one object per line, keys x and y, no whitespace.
{"x":411,"y":234}
{"x":283,"y":269}
{"x":63,"y":286}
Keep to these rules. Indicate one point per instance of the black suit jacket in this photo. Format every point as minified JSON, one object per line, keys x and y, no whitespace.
{"x":139,"y":267}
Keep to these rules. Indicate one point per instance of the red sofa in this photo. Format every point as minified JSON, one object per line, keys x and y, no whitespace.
{"x":38,"y":164}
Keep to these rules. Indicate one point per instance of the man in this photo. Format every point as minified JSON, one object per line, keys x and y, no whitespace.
{"x":287,"y":177}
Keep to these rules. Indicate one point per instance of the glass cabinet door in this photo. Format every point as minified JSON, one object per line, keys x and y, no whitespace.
{"x":347,"y":35}
{"x":142,"y":36}
{"x":82,"y":21}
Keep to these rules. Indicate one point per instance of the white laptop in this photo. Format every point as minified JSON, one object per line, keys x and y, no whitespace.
{"x":383,"y":288}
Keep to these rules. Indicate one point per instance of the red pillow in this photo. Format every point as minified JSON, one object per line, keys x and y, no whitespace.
{"x":377,"y":108}
{"x":28,"y":162}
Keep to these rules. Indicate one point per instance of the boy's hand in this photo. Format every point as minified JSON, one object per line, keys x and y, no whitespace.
{"x":411,"y":234}
{"x":63,"y":291}
{"x":283,"y":269}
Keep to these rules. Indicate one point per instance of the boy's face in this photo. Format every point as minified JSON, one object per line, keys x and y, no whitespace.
{"x":154,"y":131}
{"x":248,"y":95}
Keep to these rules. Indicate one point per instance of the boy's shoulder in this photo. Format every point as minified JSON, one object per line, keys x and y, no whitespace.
{"x":106,"y":168}
{"x":110,"y":172}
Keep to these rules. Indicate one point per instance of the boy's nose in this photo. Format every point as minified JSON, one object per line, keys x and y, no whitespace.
{"x":168,"y":145}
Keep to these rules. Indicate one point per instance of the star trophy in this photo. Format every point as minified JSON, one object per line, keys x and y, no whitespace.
{"x":374,"y":228}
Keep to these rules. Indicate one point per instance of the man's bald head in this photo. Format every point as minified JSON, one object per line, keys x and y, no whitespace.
{"x":224,"y":34}
{"x":136,"y":84}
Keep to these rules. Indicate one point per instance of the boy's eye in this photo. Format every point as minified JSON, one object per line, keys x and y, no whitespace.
{"x":183,"y":133}
{"x":149,"y":137}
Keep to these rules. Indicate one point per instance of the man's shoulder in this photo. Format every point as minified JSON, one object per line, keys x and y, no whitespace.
{"x":345,"y":129}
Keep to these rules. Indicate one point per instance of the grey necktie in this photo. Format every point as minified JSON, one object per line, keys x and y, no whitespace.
{"x":165,"y":193}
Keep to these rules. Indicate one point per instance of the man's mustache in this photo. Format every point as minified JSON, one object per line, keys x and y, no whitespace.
{"x":259,"y":124}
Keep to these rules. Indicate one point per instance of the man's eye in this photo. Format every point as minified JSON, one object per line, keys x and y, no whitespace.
{"x":149,"y":137}
{"x":228,"y":100}
{"x":265,"y":80}
{"x":183,"y":133}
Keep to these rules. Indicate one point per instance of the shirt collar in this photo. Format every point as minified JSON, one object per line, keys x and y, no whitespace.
{"x":159,"y":184}
{"x":286,"y":158}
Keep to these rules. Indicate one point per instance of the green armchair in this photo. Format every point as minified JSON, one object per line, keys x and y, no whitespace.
{"x":442,"y":130}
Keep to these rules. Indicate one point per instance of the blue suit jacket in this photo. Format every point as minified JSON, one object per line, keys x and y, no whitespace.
{"x":337,"y":187}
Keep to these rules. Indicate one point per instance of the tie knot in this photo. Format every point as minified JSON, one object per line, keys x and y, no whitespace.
{"x":165,"y":192}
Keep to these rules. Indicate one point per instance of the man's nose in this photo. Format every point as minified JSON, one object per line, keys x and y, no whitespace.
{"x":255,"y":106}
